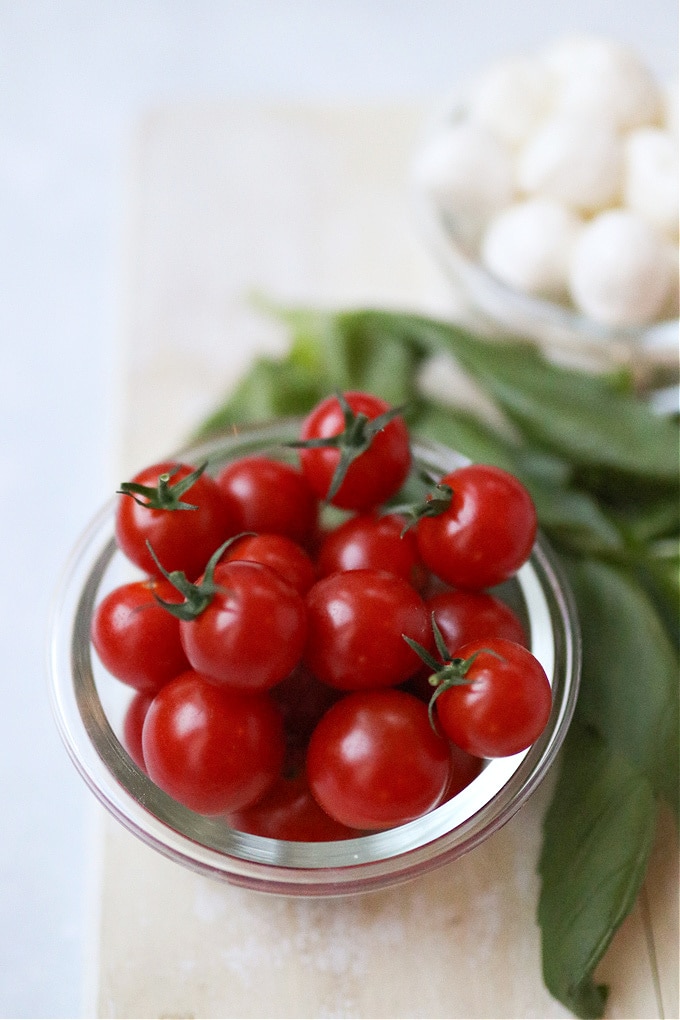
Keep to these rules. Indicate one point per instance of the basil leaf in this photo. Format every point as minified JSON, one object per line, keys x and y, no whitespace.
{"x":349,"y":350}
{"x":463,"y":431}
{"x":592,"y":420}
{"x":271,"y":389}
{"x":597,"y":838}
{"x":629,"y":684}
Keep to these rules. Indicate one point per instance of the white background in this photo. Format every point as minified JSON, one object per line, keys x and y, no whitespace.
{"x":75,"y":77}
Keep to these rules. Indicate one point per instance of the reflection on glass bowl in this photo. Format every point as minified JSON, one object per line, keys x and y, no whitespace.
{"x":89,"y":706}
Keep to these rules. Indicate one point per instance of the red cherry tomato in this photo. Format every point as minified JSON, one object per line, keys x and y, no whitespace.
{"x":464,"y":616}
{"x":288,"y":811}
{"x":486,"y":533}
{"x":356,"y":622}
{"x":464,"y":768}
{"x":136,"y":639}
{"x":133,"y":723}
{"x":278,"y":552}
{"x":269,"y":496}
{"x":505,"y":704}
{"x":252,"y":633}
{"x":372,"y":541}
{"x":375,"y":474}
{"x":182,"y":539}
{"x":374,"y":760}
{"x":212,"y":749}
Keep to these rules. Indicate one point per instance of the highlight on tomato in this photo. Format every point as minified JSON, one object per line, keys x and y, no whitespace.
{"x":211,"y":748}
{"x":477,"y":527}
{"x":356,"y":621}
{"x":355,"y":450}
{"x":374,"y":761}
{"x":176,"y":509}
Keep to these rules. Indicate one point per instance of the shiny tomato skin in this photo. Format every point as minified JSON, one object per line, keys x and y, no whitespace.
{"x":464,"y":616}
{"x":267,"y":495}
{"x":464,"y":768}
{"x":374,"y":761}
{"x":280,"y":553}
{"x":133,"y":724}
{"x":505,"y":705}
{"x":136,"y":639}
{"x":372,"y":541}
{"x":181,"y":539}
{"x":288,"y":811}
{"x":485,"y":535}
{"x":356,"y":622}
{"x":212,"y":749}
{"x":253,"y":632}
{"x":376,"y":474}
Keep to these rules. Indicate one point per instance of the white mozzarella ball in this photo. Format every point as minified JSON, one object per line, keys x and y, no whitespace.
{"x":528,"y":246}
{"x":602,"y":78}
{"x":469,"y":175}
{"x":651,"y":181}
{"x":512,"y":98}
{"x":577,"y":162}
{"x":620,"y":274}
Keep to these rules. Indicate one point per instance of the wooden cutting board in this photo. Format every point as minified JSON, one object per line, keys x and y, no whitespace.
{"x":307,"y":205}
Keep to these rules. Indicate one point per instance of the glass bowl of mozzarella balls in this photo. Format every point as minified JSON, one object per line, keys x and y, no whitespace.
{"x":549,"y":192}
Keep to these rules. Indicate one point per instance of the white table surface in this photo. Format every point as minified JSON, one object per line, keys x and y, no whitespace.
{"x":75,"y":80}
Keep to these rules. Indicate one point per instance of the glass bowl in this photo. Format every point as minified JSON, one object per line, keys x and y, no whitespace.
{"x":649,"y":351}
{"x":89,"y":706}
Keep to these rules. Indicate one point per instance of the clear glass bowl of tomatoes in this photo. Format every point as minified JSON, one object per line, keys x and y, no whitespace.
{"x":272,"y":834}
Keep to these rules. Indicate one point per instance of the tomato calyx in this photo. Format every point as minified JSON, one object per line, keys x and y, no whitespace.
{"x":167,"y":495}
{"x":197,"y":595}
{"x":356,"y":437}
{"x":450,"y":672}
{"x":435,"y":503}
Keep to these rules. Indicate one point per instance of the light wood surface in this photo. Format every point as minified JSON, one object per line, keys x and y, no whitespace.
{"x":308,"y":205}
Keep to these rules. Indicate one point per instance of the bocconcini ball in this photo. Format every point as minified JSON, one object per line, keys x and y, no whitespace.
{"x":469,"y":174}
{"x":577,"y":162}
{"x":602,"y":78}
{"x":512,"y":98}
{"x":620,"y":272}
{"x":529,"y":244}
{"x":651,"y":177}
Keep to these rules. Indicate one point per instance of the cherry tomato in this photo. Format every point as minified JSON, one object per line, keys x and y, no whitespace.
{"x":464,"y":768}
{"x":151,"y":509}
{"x":375,"y":541}
{"x":503,"y":706}
{"x":288,"y":811}
{"x":133,"y":723}
{"x":484,"y":534}
{"x":212,"y":749}
{"x":374,"y":760}
{"x":252,"y":633}
{"x":278,"y":552}
{"x":381,"y":459}
{"x":135,"y":638}
{"x":356,"y":622}
{"x":267,"y":495}
{"x":464,"y":616}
